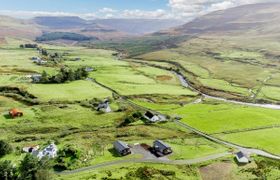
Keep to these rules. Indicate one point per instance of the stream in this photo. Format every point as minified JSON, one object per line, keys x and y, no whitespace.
{"x":185,"y":83}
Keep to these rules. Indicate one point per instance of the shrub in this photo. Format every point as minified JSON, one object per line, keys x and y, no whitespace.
{"x":7,"y":170}
{"x":5,"y":148}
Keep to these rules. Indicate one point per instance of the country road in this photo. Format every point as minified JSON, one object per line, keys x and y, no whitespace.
{"x":146,"y":160}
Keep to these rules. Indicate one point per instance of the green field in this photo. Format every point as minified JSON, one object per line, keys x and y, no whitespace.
{"x":261,"y":139}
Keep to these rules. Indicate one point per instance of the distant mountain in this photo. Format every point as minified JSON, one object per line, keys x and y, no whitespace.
{"x":139,"y":26}
{"x":61,"y":22}
{"x":18,"y":28}
{"x":254,"y":18}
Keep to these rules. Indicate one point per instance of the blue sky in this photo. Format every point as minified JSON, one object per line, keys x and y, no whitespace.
{"x":91,"y":9}
{"x":81,"y":6}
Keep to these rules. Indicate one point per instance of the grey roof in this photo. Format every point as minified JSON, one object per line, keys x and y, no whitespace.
{"x":120,"y":146}
{"x":149,"y":114}
{"x":240,"y":155}
{"x":160,"y":144}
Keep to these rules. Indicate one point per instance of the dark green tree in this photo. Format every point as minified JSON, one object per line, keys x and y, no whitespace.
{"x":5,"y":148}
{"x":8,"y":171}
{"x":45,"y":77}
{"x":31,"y":168}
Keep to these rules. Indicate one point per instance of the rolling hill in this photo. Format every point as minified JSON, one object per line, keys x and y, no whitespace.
{"x":260,"y":19}
{"x":18,"y":28}
{"x":234,"y":53}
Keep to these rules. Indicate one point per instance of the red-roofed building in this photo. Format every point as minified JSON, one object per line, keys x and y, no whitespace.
{"x":15,"y":113}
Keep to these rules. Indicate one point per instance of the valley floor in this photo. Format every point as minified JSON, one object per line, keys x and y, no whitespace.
{"x":63,"y":113}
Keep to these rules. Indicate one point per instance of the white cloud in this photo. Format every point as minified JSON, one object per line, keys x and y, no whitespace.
{"x":187,"y":9}
{"x":178,"y":9}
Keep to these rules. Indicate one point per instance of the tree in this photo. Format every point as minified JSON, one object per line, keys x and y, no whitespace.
{"x":45,"y":77}
{"x":71,"y":75}
{"x":31,"y":168}
{"x":5,"y":148}
{"x":7,"y":171}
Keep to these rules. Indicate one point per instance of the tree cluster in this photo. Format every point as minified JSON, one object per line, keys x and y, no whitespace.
{"x":64,"y":75}
{"x":131,"y":118}
{"x":63,"y":35}
{"x":29,"y":46}
{"x":30,"y":168}
{"x":67,"y":157}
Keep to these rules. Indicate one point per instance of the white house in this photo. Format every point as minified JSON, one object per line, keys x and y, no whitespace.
{"x":104,"y":106}
{"x":50,"y":152}
{"x":242,"y":158}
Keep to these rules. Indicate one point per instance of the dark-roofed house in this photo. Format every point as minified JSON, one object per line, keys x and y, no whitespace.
{"x":242,"y":158}
{"x":161,"y":148}
{"x":151,"y":117}
{"x":122,"y":148}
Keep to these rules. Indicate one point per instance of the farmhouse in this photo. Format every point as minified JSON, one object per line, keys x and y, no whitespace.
{"x":31,"y":149}
{"x":38,"y":61}
{"x":15,"y":113}
{"x":89,"y":69}
{"x":153,"y":117}
{"x":104,"y":106}
{"x":122,"y":148}
{"x":242,"y":158}
{"x":161,"y":148}
{"x":50,"y":151}
{"x":36,"y":78}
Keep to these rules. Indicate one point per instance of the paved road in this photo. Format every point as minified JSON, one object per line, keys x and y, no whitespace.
{"x":148,"y":160}
{"x":243,"y":149}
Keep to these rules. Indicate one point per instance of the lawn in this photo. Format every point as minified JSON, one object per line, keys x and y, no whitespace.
{"x":266,"y":139}
{"x":220,"y":117}
{"x":73,"y":91}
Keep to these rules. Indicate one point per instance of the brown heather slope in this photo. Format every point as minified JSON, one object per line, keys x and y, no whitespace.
{"x":259,"y":19}
{"x":11,"y":27}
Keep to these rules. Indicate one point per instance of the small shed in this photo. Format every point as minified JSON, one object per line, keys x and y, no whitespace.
{"x":151,"y":117}
{"x":161,"y":148}
{"x":122,"y":148}
{"x":31,"y":149}
{"x":242,"y":158}
{"x":15,"y":113}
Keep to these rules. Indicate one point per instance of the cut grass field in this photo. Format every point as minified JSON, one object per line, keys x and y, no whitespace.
{"x":262,"y":139}
{"x":73,"y":91}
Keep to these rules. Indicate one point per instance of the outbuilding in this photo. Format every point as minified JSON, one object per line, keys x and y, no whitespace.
{"x":242,"y":158}
{"x":161,"y":148}
{"x":15,"y":113}
{"x":122,"y":148}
